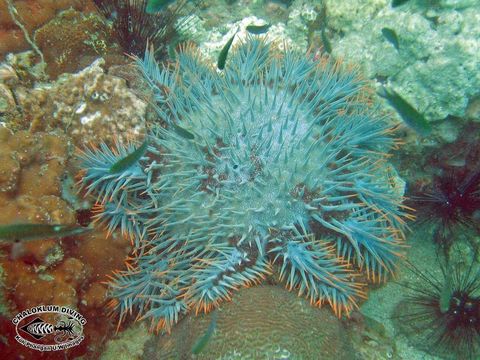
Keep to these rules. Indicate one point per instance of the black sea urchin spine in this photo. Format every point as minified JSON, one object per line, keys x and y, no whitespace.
{"x":134,"y":27}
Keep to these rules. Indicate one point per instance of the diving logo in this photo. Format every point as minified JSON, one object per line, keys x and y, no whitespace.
{"x":49,"y":328}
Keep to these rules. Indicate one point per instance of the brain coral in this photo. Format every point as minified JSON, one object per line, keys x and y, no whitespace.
{"x":268,"y":331}
{"x":277,"y":164}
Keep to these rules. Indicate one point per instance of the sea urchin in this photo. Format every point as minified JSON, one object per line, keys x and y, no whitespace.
{"x":441,"y":315}
{"x":277,"y":164}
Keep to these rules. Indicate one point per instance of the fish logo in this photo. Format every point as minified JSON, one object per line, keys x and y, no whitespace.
{"x":35,"y":332}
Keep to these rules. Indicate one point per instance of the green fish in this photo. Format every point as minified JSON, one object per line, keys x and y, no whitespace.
{"x":327,"y":46}
{"x":326,"y":43}
{"x":258,"y":29}
{"x":130,"y":159}
{"x":407,"y":112}
{"x":396,"y":3}
{"x":202,"y":341}
{"x":183,"y":132}
{"x":14,"y":232}
{"x":222,"y":58}
{"x":446,"y":292}
{"x":154,"y":6}
{"x":391,"y":36}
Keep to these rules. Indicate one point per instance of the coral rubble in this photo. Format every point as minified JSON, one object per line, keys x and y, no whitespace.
{"x":278,"y":164}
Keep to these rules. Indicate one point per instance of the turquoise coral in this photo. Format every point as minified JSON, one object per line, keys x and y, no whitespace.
{"x":284,"y":170}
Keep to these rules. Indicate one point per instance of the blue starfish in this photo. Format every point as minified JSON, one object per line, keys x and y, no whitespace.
{"x":275,"y":165}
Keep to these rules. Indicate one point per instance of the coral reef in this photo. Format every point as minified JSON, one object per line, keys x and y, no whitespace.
{"x":267,"y":331}
{"x":291,"y":29}
{"x":129,"y":344}
{"x":49,"y":271}
{"x":278,"y":164}
{"x":31,"y":14}
{"x":27,"y":161}
{"x":71,"y":41}
{"x":88,"y":106}
{"x":437,"y":64}
{"x":134,"y":27}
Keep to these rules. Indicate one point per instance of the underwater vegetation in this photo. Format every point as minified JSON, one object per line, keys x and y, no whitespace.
{"x":277,"y":164}
{"x":134,"y":26}
{"x":441,"y":315}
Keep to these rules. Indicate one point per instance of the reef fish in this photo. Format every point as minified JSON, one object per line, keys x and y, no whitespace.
{"x":183,"y":132}
{"x":130,"y":159}
{"x":222,"y":58}
{"x":202,"y":341}
{"x":396,"y":3}
{"x":14,"y":232}
{"x":154,"y":6}
{"x":391,"y":36}
{"x":258,"y":29}
{"x":407,"y":112}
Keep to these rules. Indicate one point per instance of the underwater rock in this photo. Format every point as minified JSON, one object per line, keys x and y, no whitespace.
{"x":437,"y":64}
{"x":63,"y":272}
{"x":129,"y":344}
{"x":263,"y":322}
{"x":71,"y":41}
{"x":291,"y":33}
{"x":33,"y":163}
{"x":32,"y":14}
{"x":88,"y":106}
{"x":370,"y":339}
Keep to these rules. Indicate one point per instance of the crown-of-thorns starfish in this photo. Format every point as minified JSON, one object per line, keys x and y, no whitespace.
{"x":275,"y":165}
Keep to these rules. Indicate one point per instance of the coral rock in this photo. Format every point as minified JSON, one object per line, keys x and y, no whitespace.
{"x":72,"y":41}
{"x":31,"y":14}
{"x":264,"y":322}
{"x":89,"y":106}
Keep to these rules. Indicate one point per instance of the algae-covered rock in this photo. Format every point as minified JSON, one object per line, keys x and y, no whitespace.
{"x":291,"y":29}
{"x":128,"y":345}
{"x":436,"y":67}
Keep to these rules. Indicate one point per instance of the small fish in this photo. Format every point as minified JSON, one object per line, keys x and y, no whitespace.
{"x":396,"y":3}
{"x":258,"y":29}
{"x":183,"y":132}
{"x":327,"y":46}
{"x":222,"y":58}
{"x":130,"y":159}
{"x":446,"y":292}
{"x":14,"y":232}
{"x":154,"y":6}
{"x":202,"y":341}
{"x":407,"y":112}
{"x":391,"y":36}
{"x":326,"y":43}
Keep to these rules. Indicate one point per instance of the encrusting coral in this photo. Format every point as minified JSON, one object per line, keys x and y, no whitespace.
{"x":277,"y":164}
{"x":72,"y":40}
{"x":89,"y":106}
{"x":66,"y":272}
{"x":31,"y":14}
